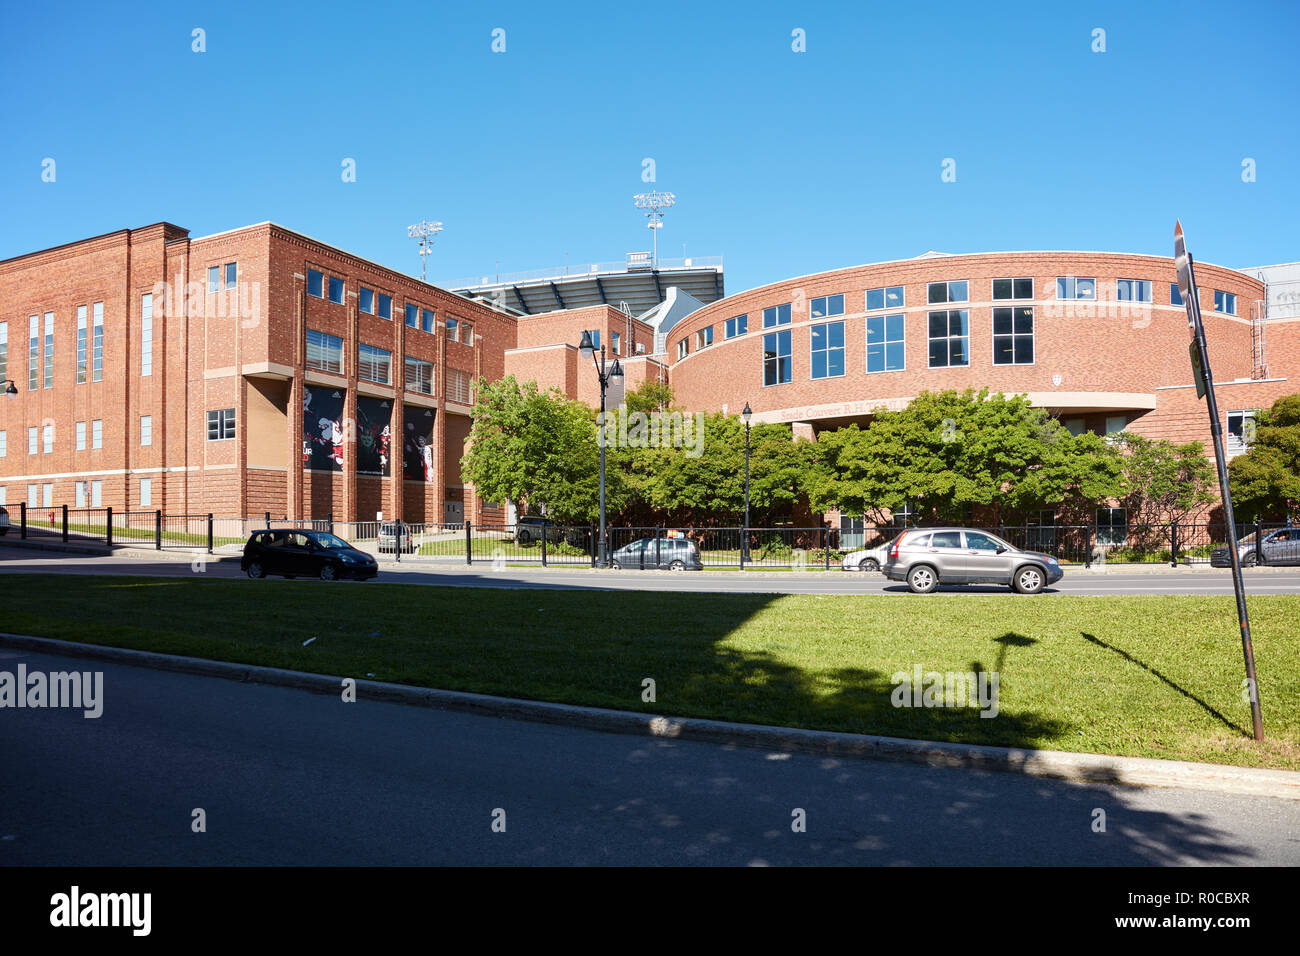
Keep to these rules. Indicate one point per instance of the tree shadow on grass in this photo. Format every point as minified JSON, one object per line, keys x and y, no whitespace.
{"x":1227,"y":722}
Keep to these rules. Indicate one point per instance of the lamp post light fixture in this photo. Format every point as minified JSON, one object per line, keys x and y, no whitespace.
{"x":656,"y":202}
{"x":10,"y":388}
{"x":607,"y":375}
{"x":745,"y":416}
{"x":424,"y":231}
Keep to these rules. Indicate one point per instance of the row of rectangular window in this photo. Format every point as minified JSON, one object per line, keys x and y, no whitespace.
{"x":381,"y":304}
{"x":223,"y":277}
{"x":325,"y":354}
{"x":948,"y":333}
{"x":893,"y":297}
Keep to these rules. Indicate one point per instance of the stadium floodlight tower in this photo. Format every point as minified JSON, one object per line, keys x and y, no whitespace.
{"x":424,"y":231}
{"x":655,"y":203}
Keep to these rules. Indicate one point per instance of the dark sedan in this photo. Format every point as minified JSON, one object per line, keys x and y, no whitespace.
{"x":314,"y":554}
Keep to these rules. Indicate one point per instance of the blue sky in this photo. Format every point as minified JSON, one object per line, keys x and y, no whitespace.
{"x":785,"y":163}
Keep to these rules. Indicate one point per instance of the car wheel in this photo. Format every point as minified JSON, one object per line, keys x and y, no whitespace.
{"x":616,"y":565}
{"x":1029,"y":580}
{"x":256,"y":571}
{"x":327,"y":573}
{"x":922,"y":579}
{"x":524,"y":537}
{"x":1250,"y":560}
{"x":869,"y":564}
{"x":677,"y":566}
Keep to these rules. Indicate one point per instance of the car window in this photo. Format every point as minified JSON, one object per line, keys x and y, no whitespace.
{"x":946,"y":539}
{"x":917,"y":541}
{"x":296,"y":541}
{"x":976,"y":541}
{"x":272,"y":539}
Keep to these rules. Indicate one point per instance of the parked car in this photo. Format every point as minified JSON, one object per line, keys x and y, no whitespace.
{"x":4,"y":521}
{"x":293,"y":554}
{"x":928,"y":557}
{"x":868,"y":559}
{"x":530,"y":528}
{"x":387,"y":539}
{"x":1278,"y":548}
{"x":674,"y":554}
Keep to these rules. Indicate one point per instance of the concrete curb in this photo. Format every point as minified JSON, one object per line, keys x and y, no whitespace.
{"x":1060,"y":765}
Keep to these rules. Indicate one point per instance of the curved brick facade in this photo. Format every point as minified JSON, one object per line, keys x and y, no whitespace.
{"x":1093,"y":359}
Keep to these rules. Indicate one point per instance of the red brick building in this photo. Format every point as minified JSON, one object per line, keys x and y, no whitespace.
{"x":249,"y":371}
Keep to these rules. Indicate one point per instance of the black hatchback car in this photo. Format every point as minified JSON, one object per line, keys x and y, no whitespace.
{"x":314,"y":554}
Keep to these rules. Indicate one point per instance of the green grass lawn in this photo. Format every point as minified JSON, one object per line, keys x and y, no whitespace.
{"x":1144,"y":676}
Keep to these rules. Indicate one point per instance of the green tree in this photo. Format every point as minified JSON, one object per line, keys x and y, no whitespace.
{"x":948,"y":452}
{"x":1163,"y":481}
{"x":649,"y":396}
{"x":1265,"y":481}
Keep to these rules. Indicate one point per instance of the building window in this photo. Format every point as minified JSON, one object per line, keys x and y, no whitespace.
{"x":1133,"y":290}
{"x":47,"y":495}
{"x":49,"y":349}
{"x":221,"y":424}
{"x":467,"y":335}
{"x":1241,"y":430}
{"x":366,"y":300}
{"x":1022,"y":288}
{"x":885,"y":343}
{"x":81,"y":436}
{"x":736,"y":326}
{"x":232,"y":275}
{"x":776,"y":315}
{"x":33,"y":439}
{"x":704,"y":338}
{"x":1175,"y":294}
{"x":97,"y":433}
{"x":385,"y":306}
{"x":315,"y":284}
{"x":904,"y":516}
{"x":47,"y":438}
{"x":33,"y":496}
{"x":956,"y":291}
{"x":4,"y":443}
{"x":614,"y":341}
{"x":412,"y":316}
{"x":375,"y":364}
{"x":1225,"y":302}
{"x":949,"y":338}
{"x":595,"y":338}
{"x":81,"y":345}
{"x":214,"y":279}
{"x":146,"y":492}
{"x":419,"y":376}
{"x":1114,"y":425}
{"x":33,"y":352}
{"x":1074,"y":426}
{"x":1072,"y":287}
{"x":96,"y":494}
{"x":4,"y":347}
{"x":825,"y":306}
{"x":324,"y":352}
{"x":682,"y":347}
{"x":890,"y":297}
{"x":146,"y":430}
{"x":146,"y":334}
{"x":336,"y":290}
{"x":459,"y":387}
{"x":776,"y":356}
{"x":97,"y":343}
{"x":1013,"y":335}
{"x":1112,"y":526}
{"x":427,"y":321}
{"x":828,"y":349}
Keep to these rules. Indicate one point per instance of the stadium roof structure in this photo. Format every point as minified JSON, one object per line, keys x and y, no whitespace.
{"x":638,"y":281}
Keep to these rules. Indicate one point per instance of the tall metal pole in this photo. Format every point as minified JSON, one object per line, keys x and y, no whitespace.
{"x":603,"y":384}
{"x":746,"y":476}
{"x":1201,"y":361}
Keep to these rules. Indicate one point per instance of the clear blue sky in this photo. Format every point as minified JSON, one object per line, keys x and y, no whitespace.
{"x":784,"y":162}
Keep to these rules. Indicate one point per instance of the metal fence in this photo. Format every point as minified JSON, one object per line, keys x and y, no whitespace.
{"x":542,"y":543}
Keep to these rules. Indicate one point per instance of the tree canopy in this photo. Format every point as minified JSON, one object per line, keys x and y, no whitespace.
{"x":1265,"y":481}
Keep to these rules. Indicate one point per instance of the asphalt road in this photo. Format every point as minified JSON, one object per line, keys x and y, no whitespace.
{"x":287,"y":777}
{"x":1113,"y":580}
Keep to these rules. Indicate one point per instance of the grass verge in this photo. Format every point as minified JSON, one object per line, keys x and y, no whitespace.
{"x":1142,"y":676}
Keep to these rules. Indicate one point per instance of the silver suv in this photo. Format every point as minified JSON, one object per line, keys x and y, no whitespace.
{"x":928,"y":557}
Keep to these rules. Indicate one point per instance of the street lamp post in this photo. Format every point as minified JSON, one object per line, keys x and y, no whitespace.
{"x":607,"y":375}
{"x":744,"y":543}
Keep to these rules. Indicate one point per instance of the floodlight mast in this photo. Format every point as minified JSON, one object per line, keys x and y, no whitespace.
{"x":655,"y":203}
{"x":425,"y":231}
